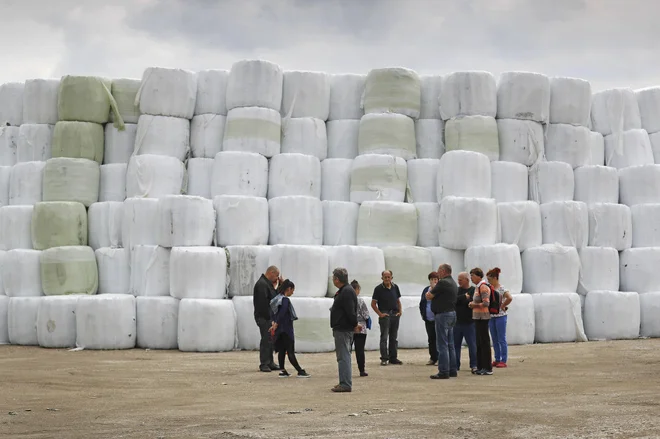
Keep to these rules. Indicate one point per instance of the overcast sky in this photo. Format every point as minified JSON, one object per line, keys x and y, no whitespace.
{"x":612,"y":43}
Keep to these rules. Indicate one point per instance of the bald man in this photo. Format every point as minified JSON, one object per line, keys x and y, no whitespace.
{"x":263,"y":293}
{"x":464,"y":328}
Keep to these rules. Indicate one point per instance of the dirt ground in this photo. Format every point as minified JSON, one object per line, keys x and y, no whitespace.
{"x":586,"y":390}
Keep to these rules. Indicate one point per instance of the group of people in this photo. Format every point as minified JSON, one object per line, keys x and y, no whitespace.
{"x":452,"y":313}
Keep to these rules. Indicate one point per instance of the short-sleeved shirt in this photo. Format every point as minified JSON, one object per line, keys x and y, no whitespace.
{"x":387,"y":298}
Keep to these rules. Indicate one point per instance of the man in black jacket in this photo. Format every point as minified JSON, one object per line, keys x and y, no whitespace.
{"x":343,"y":320}
{"x":264,"y":292}
{"x":464,"y":324}
{"x":443,"y":304}
{"x":429,"y":319}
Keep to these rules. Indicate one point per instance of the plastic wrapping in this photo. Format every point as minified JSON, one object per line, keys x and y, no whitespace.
{"x":157,"y":322}
{"x":520,"y":320}
{"x":4,"y":320}
{"x":255,"y":83}
{"x":154,"y":176}
{"x":21,"y":274}
{"x":185,"y":220}
{"x":413,"y":333}
{"x":614,"y":111}
{"x":550,"y":268}
{"x":602,"y":321}
{"x":596,"y":184}
{"x":599,"y":269}
{"x":639,"y":185}
{"x":163,"y":135}
{"x":106,"y":322}
{"x":253,"y":129}
{"x":206,"y":134}
{"x":392,"y":90}
{"x":570,"y":101}
{"x":206,"y":325}
{"x":306,"y":266}
{"x":387,"y":223}
{"x":648,"y":100}
{"x":11,"y":103}
{"x":294,"y":175}
{"x":649,"y":304}
{"x":16,"y":227}
{"x":211,"y":93}
{"x":239,"y":173}
{"x":473,"y":133}
{"x":455,"y":259}
{"x":246,"y":265}
{"x":630,"y":148}
{"x":655,"y":146}
{"x":523,"y":95}
{"x":345,"y":96}
{"x":422,"y":180}
{"x":40,"y":101}
{"x":430,"y":97}
{"x":410,"y":267}
{"x":336,"y":179}
{"x":558,"y":318}
{"x":22,"y":320}
{"x":56,"y":322}
{"x":610,"y":225}
{"x":105,"y":224}
{"x":305,"y":135}
{"x":468,"y":94}
{"x":198,"y":273}
{"x":466,"y":222}
{"x":5,"y":175}
{"x":343,"y":138}
{"x":246,"y":329}
{"x":645,"y":225}
{"x":200,"y":175}
{"x":67,"y":179}
{"x":240,"y":220}
{"x":124,"y":91}
{"x":551,"y":181}
{"x":114,"y":270}
{"x":119,"y":145}
{"x":3,"y":258}
{"x":78,"y":140}
{"x":569,"y":144}
{"x":427,"y":224}
{"x":463,"y":174}
{"x":306,"y":94}
{"x":520,"y":224}
{"x":378,"y":177}
{"x":340,"y":220}
{"x":504,"y":256}
{"x":635,"y":264}
{"x":34,"y":143}
{"x":139,"y":224}
{"x":25,"y":183}
{"x":84,"y":99}
{"x":295,"y":220}
{"x":112,"y":184}
{"x":387,"y":133}
{"x":168,"y":92}
{"x":364,"y":264}
{"x":150,"y":271}
{"x":596,"y":149}
{"x":566,"y":223}
{"x":429,"y":137}
{"x":59,"y":223}
{"x":509,"y":181}
{"x":68,"y":270}
{"x":8,"y":145}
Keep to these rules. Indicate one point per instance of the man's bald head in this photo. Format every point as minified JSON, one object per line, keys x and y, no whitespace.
{"x":463,"y":280}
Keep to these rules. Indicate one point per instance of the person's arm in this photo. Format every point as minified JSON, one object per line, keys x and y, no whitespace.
{"x":350,"y":308}
{"x":462,"y":300}
{"x":422,"y":304}
{"x":484,"y":293}
{"x":374,"y":303}
{"x":508,"y":298}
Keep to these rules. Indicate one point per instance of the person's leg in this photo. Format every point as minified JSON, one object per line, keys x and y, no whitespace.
{"x":265,"y":345}
{"x":281,"y":357}
{"x":501,"y":335}
{"x":433,"y":345}
{"x":450,"y":344}
{"x":443,"y":343}
{"x":492,"y":326}
{"x":345,"y":339}
{"x":394,"y":343}
{"x":291,"y":352}
{"x":360,"y":340}
{"x":384,"y":323}
{"x":481,"y":350}
{"x":458,"y":341}
{"x":471,"y":340}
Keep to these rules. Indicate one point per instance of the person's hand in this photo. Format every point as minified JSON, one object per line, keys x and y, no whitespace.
{"x":428,"y":296}
{"x":398,"y":314}
{"x":382,"y":315}
{"x":467,"y":296}
{"x":274,"y":325}
{"x":470,"y":305}
{"x":358,"y":328}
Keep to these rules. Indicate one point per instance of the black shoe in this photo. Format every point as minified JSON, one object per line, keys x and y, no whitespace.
{"x":274,"y":366}
{"x":395,"y":361}
{"x":484,"y":372}
{"x":474,"y":371}
{"x":284,"y":374}
{"x":264,"y":369}
{"x":453,"y":374}
{"x":364,"y":374}
{"x":303,"y":374}
{"x":440,"y":377}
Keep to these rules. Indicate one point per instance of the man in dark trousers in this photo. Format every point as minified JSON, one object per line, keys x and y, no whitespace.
{"x":344,"y":323}
{"x":386,"y":301}
{"x":464,"y":324}
{"x":443,"y":304}
{"x":429,"y":319}
{"x":264,"y":292}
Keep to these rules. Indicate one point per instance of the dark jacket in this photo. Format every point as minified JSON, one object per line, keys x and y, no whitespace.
{"x":263,"y":293}
{"x":343,"y":314}
{"x":444,"y":296}
{"x":463,"y":311}
{"x":422,"y":304}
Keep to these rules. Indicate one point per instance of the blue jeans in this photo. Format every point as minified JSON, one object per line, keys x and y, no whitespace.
{"x":444,"y":334}
{"x":497,"y":327}
{"x":467,"y":331}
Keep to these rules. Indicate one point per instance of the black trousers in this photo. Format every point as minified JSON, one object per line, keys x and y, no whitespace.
{"x":389,"y":329}
{"x":287,"y":346}
{"x":433,"y":346}
{"x":266,"y":345}
{"x":484,"y":357}
{"x":360,"y":340}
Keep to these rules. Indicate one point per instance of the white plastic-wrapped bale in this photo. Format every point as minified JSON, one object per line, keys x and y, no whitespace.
{"x":124,"y":91}
{"x":239,"y":173}
{"x":67,"y":179}
{"x":636,"y":269}
{"x":550,"y":268}
{"x":119,"y":145}
{"x":139,"y":224}
{"x":305,"y":227}
{"x":21,"y":274}
{"x":154,"y":176}
{"x":378,"y":177}
{"x":312,"y":329}
{"x":247,"y":333}
{"x":40,"y":101}
{"x":520,"y":224}
{"x":430,"y":97}
{"x":645,"y":225}
{"x":429,"y":137}
{"x":206,"y":325}
{"x":150,"y":271}
{"x":610,"y":225}
{"x":307,"y":266}
{"x":345,"y":96}
{"x":596,"y":149}
{"x":340,"y":220}
{"x":550,"y":182}
{"x":410,"y":267}
{"x":569,"y":144}
{"x":649,"y":304}
{"x":599,"y":269}
{"x":392,"y":90}
{"x":68,"y":270}
{"x":523,"y":95}
{"x":16,"y":227}
{"x":8,"y":145}
{"x":565,"y":223}
{"x":602,"y":321}
{"x":34,"y":143}
{"x":364,"y":264}
{"x":629,"y":148}
{"x":5,"y":175}
{"x":306,"y":94}
{"x":387,"y":133}
{"x":509,"y":182}
{"x":570,"y":101}
{"x":200,"y":174}
{"x":11,"y":103}
{"x":648,"y":100}
{"x":211,"y":93}
{"x":157,"y":322}
{"x":56,"y":322}
{"x":387,"y":223}
{"x":413,"y":333}
{"x":168,"y":92}
{"x":596,"y":184}
{"x":463,"y":174}
{"x":106,"y":322}
{"x":240,"y":220}
{"x":246,"y":265}
{"x":455,"y":258}
{"x":558,"y":318}
{"x":520,"y":320}
{"x":614,"y":111}
{"x":422,"y":180}
{"x":163,"y":135}
{"x":198,"y":273}
{"x":521,"y":141}
{"x":4,"y":321}
{"x":3,"y":257}
{"x":206,"y":134}
{"x":84,"y":99}
{"x":78,"y":140}
{"x":253,"y":129}
{"x":655,"y":146}
{"x":504,"y":256}
{"x":639,"y":185}
{"x":255,"y":83}
{"x":22,"y":320}
{"x":427,"y":224}
{"x":294,"y":174}
{"x":112,"y":184}
{"x":336,"y":179}
{"x":305,"y":135}
{"x":105,"y":223}
{"x":468,"y":94}
{"x":25,"y":183}
{"x":59,"y":223}
{"x":114,"y":270}
{"x":473,"y":133}
{"x":466,"y":222}
{"x":185,"y":220}
{"x":343,"y":138}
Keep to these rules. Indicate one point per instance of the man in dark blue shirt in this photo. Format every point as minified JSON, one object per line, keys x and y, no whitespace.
{"x":386,"y":302}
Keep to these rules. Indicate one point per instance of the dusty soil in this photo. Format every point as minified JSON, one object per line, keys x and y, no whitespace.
{"x":587,"y":390}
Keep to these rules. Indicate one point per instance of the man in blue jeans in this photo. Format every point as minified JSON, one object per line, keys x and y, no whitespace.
{"x":464,"y":324}
{"x":443,"y":303}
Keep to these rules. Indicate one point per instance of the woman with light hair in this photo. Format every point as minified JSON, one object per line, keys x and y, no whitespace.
{"x":497,"y":321}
